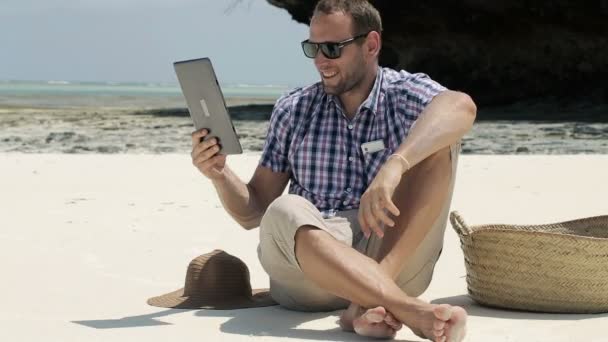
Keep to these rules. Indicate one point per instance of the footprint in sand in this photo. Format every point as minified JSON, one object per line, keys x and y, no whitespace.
{"x":77,"y":200}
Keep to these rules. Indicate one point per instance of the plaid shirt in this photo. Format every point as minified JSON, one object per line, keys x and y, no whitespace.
{"x":310,"y":137}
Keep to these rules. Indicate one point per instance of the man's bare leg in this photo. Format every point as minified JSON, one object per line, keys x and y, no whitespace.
{"x":346,"y":273}
{"x":420,"y":197}
{"x":424,"y":188}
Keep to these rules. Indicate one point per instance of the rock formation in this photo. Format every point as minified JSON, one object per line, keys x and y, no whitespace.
{"x":499,"y":51}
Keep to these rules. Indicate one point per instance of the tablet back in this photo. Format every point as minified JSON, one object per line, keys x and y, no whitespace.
{"x":206,"y":102}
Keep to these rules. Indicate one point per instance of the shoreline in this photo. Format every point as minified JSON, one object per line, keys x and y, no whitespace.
{"x":535,"y":111}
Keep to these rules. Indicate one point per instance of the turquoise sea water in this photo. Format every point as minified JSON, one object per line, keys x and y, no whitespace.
{"x":129,"y":89}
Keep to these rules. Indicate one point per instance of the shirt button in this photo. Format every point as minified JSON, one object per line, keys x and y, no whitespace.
{"x":350,"y":126}
{"x":345,"y":203}
{"x":351,"y":159}
{"x":349,"y":189}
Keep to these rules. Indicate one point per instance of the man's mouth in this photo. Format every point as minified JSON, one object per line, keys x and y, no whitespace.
{"x":328,"y":74}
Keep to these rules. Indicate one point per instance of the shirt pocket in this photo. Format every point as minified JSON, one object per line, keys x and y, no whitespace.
{"x":375,"y":160}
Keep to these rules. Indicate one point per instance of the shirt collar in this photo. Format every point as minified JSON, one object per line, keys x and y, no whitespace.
{"x":372,"y":101}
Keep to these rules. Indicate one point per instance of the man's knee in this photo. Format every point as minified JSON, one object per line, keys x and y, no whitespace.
{"x":279,"y":211}
{"x":278,"y":229}
{"x":415,"y":283}
{"x":282,"y":205}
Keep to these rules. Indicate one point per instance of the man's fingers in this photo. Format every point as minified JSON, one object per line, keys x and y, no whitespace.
{"x":366,"y":217}
{"x":388,"y":203}
{"x":380,"y":210}
{"x":376,"y":228}
{"x":203,"y":146}
{"x":197,"y":135}
{"x":363,"y":224}
{"x":383,"y":217}
{"x":373,"y":223}
{"x":205,"y":155}
{"x":377,"y":216}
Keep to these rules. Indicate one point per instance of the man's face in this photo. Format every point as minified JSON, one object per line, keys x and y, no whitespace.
{"x":346,"y":72}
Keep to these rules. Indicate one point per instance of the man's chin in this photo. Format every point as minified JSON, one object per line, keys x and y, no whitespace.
{"x":330,"y":90}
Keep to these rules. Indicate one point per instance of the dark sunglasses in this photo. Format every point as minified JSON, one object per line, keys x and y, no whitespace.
{"x":331,"y":50}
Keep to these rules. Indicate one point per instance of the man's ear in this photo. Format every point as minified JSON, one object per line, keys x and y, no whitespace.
{"x":374,"y":43}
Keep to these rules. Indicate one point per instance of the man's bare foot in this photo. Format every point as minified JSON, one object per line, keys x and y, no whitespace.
{"x":440,"y":323}
{"x":376,"y":322}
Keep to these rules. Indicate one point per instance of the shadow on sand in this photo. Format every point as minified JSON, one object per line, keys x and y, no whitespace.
{"x":130,"y":321}
{"x":475,"y":309}
{"x":271,"y":321}
{"x":279,"y":322}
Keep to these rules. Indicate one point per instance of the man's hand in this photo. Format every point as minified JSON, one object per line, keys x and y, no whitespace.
{"x":205,"y":155}
{"x":376,"y":202}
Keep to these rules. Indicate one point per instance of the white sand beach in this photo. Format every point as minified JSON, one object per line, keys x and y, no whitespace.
{"x":85,"y":239}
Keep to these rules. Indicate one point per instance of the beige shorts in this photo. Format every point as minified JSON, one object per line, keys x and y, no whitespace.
{"x":290,"y":287}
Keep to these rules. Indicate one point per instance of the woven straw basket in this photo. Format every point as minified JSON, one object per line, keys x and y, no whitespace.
{"x":560,"y":267}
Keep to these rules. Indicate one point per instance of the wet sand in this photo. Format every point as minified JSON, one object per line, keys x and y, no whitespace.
{"x":136,"y":129}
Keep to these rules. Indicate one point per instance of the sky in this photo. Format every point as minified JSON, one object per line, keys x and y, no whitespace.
{"x":251,"y":42}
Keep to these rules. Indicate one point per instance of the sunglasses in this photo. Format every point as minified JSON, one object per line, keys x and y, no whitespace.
{"x":331,"y":50}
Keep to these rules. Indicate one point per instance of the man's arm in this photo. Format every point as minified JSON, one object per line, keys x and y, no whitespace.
{"x":444,"y":121}
{"x":247,"y":203}
{"x":441,"y":124}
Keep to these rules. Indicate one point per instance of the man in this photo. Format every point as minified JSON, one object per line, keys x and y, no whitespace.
{"x":370,"y":154}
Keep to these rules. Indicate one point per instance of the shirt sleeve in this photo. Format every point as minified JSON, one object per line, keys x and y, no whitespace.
{"x":421,"y":90}
{"x":276,"y":146}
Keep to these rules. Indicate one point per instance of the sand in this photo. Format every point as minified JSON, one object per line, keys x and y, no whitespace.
{"x":85,"y":239}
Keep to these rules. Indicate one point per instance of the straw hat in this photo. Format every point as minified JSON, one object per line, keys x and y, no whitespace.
{"x":215,"y":280}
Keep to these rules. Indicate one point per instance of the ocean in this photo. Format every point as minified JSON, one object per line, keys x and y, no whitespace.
{"x":107,"y":117}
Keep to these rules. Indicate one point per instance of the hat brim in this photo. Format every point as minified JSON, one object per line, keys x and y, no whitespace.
{"x":177,"y":300}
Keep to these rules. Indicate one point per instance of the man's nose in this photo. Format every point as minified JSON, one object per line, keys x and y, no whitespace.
{"x":320,"y":58}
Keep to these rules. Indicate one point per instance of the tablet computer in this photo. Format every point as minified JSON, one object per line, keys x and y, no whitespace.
{"x":206,"y":102}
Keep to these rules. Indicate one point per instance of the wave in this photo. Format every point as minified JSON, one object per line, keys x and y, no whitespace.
{"x":59,"y":82}
{"x":246,"y":85}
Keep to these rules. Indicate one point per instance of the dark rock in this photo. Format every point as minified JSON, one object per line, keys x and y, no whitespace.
{"x":522,"y":150}
{"x":108,"y":149}
{"x":497,"y":51}
{"x":78,"y":149}
{"x":164,"y":112}
{"x":257,"y":112}
{"x":59,"y":136}
{"x":588,"y":132}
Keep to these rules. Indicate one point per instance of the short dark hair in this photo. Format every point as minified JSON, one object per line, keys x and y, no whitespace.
{"x":365,"y":16}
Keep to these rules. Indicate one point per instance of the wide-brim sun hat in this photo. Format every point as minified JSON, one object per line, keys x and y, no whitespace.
{"x":215,"y":280}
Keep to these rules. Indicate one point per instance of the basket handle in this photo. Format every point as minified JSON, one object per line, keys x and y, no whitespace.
{"x":459,"y":225}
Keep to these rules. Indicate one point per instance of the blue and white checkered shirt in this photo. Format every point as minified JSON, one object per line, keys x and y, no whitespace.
{"x":311,"y":138}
